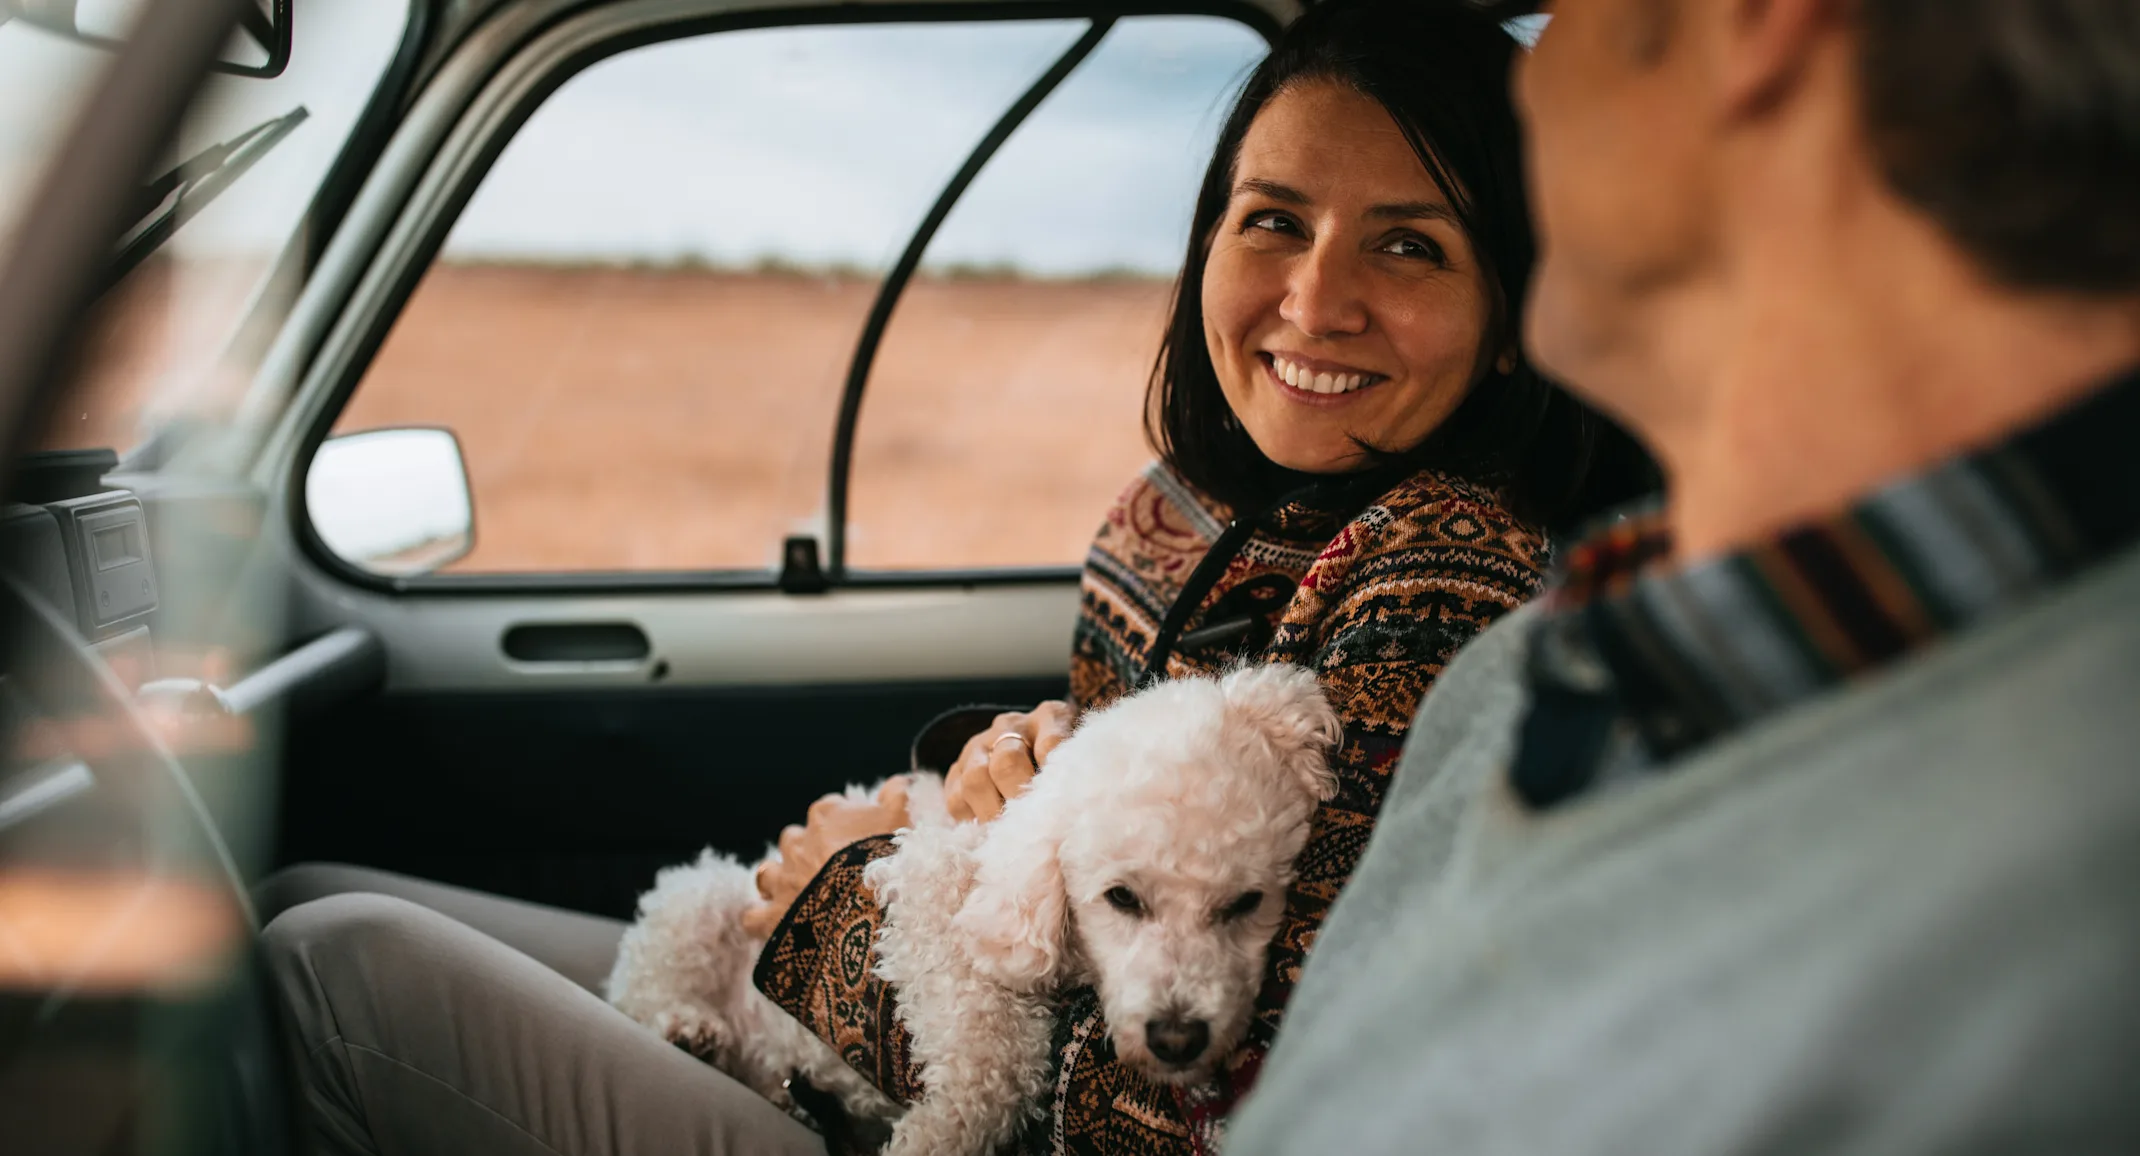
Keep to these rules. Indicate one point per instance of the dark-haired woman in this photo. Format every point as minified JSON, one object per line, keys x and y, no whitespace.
{"x":1357,"y":474}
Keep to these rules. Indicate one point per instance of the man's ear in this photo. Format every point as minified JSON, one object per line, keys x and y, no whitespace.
{"x":1284,"y":705}
{"x":1015,"y":919}
{"x":1770,"y":45}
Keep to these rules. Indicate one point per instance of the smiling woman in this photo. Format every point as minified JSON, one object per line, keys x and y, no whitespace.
{"x":1353,"y":293}
{"x":1358,"y":473}
{"x":1343,"y":307}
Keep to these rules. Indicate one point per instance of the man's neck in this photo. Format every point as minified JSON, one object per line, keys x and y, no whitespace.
{"x":1854,"y":346}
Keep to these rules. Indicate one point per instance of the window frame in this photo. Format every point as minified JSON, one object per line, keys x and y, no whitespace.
{"x":406,"y":266}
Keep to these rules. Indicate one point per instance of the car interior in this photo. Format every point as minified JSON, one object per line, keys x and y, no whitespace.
{"x":555,"y":734}
{"x":347,"y":692}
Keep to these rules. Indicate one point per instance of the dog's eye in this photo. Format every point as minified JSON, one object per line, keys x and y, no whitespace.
{"x":1243,"y":907}
{"x":1124,"y":900}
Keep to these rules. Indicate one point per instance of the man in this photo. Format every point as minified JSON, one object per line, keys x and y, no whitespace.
{"x":1803,"y":815}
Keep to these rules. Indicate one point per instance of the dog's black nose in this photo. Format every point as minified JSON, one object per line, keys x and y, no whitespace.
{"x":1177,"y":1041}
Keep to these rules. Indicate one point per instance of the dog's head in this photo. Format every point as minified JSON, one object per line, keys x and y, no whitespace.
{"x":1153,"y":854}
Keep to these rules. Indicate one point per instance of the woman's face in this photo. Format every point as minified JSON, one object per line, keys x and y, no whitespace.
{"x":1341,"y":299}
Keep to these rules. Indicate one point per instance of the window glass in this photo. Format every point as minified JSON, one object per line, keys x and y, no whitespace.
{"x":640,"y":326}
{"x":43,"y":81}
{"x":1005,"y":409}
{"x":153,"y":349}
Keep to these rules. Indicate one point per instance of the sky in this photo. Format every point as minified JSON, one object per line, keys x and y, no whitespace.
{"x":826,"y":146}
{"x":819,"y":147}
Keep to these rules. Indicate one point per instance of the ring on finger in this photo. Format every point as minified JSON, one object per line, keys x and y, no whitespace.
{"x":1008,"y":737}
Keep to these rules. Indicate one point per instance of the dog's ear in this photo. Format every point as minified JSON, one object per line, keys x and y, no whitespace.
{"x":1284,"y":704}
{"x":1016,"y":918}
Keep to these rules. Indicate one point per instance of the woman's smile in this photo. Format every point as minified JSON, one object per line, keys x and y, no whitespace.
{"x":1343,"y":306}
{"x":1312,"y":382}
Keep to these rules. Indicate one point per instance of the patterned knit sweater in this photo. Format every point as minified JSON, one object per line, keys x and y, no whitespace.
{"x":1376,"y":603}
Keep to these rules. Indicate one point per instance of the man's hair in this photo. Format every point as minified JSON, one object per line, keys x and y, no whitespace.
{"x":2014,"y":124}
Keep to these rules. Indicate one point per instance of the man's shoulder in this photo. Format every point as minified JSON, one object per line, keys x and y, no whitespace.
{"x":1931,"y":863}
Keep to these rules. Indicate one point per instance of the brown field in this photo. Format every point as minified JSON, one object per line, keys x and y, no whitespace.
{"x":682,"y":419}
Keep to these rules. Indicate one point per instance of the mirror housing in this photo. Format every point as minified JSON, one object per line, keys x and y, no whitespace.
{"x":260,"y":48}
{"x":392,"y":502}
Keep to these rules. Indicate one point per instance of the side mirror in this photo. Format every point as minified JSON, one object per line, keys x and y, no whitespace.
{"x":392,"y":501}
{"x":260,"y":47}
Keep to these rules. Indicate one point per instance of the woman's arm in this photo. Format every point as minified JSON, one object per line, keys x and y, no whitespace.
{"x":822,"y":922}
{"x":834,"y":821}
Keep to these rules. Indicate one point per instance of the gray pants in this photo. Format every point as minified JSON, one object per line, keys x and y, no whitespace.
{"x":431,"y":1019}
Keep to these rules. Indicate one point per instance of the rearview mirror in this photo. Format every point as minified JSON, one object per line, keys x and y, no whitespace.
{"x":260,"y":47}
{"x":392,"y":501}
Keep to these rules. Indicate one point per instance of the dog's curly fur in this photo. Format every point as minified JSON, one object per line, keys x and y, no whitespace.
{"x":1150,"y":859}
{"x":684,"y":970}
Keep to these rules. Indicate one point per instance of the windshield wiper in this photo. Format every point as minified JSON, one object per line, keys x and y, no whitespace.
{"x":165,"y":204}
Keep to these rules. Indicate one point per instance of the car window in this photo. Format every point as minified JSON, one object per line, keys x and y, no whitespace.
{"x":43,"y":81}
{"x":1004,"y":410}
{"x":639,"y":328}
{"x":156,"y":341}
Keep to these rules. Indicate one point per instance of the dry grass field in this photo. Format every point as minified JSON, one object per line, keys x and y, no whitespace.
{"x":682,"y":419}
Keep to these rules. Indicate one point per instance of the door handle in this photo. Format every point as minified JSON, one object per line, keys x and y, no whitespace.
{"x":576,"y":642}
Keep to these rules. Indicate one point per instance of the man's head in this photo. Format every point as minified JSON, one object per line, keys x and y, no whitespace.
{"x":1677,"y":142}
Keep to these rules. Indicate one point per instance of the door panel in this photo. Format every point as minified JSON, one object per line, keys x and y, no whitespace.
{"x":576,"y":796}
{"x":570,"y":782}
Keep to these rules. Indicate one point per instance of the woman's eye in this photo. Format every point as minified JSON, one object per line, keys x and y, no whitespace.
{"x":1416,"y":248}
{"x":1272,"y":222}
{"x":1124,"y":900}
{"x":1242,"y":907}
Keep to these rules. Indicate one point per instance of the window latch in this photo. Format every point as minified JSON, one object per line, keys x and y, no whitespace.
{"x":800,"y":572}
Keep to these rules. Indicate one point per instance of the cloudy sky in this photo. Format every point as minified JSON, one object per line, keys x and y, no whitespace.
{"x":827,"y":145}
{"x":816,"y":146}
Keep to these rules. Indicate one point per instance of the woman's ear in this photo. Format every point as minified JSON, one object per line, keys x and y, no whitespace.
{"x":1015,"y":920}
{"x":1285,"y":705}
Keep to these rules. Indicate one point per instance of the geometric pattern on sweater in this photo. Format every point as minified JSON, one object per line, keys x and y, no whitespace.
{"x":1376,"y":600}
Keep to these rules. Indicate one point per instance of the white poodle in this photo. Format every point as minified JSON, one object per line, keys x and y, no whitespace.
{"x":1150,"y":859}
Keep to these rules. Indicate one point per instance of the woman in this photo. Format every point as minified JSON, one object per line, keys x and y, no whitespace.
{"x":1357,"y":469}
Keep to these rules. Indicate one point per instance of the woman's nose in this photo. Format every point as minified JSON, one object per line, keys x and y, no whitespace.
{"x":1323,"y":297}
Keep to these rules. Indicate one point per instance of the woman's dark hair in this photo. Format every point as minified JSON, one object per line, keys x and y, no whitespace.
{"x":1441,"y":70}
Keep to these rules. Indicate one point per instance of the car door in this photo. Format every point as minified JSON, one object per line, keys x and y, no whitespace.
{"x":789,"y":356}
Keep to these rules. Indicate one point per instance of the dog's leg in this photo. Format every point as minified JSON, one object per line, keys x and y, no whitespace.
{"x":981,"y":1090}
{"x":684,"y":970}
{"x":982,"y":1049}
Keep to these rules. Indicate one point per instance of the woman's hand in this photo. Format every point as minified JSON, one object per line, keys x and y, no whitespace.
{"x":834,"y":822}
{"x":996,"y":764}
